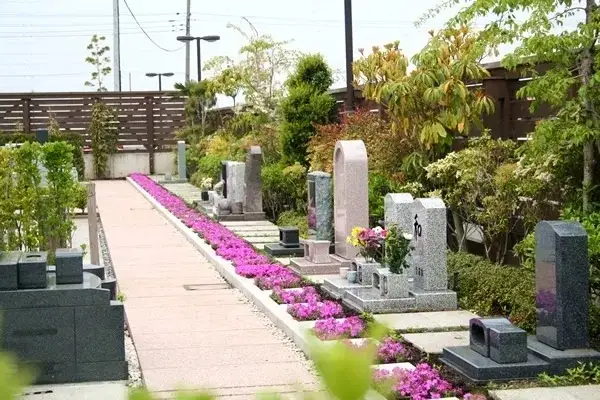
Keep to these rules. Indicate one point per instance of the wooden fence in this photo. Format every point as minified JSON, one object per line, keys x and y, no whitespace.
{"x":147,"y":121}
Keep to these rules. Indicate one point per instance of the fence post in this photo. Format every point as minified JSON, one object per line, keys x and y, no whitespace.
{"x":150,"y":132}
{"x":93,"y":224}
{"x":26,"y":117}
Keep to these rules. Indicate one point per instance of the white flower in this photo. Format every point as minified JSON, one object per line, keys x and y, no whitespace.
{"x":407,"y":236}
{"x":378,"y":230}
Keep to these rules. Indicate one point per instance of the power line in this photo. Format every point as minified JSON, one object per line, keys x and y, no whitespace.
{"x":145,"y":33}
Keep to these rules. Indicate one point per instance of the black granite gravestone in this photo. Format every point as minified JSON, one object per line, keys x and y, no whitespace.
{"x":69,"y":266}
{"x":41,"y":136}
{"x":32,"y":270}
{"x":289,"y":243}
{"x":9,"y":270}
{"x":562,"y":285}
{"x":224,"y":177}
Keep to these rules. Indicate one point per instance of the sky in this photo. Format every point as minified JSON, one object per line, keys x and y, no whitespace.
{"x":43,"y":42}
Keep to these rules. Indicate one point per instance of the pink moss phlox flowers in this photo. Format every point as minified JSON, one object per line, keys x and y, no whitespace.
{"x":315,"y":310}
{"x":305,"y":295}
{"x":331,"y":329}
{"x":390,"y":351}
{"x":283,"y":279}
{"x":254,"y":271}
{"x":422,"y":383}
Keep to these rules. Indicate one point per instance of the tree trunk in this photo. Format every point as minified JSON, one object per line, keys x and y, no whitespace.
{"x":587,"y":61}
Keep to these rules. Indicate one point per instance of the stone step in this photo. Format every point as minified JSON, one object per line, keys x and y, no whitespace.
{"x":249,"y":223}
{"x":262,"y":239}
{"x":269,"y":233}
{"x":434,"y":342}
{"x":427,"y":321}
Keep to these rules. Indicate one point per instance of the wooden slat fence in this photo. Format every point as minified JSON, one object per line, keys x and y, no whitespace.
{"x":147,"y":121}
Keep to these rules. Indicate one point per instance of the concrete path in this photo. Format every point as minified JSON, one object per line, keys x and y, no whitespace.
{"x":589,"y":392}
{"x":78,"y":391}
{"x":208,"y":337}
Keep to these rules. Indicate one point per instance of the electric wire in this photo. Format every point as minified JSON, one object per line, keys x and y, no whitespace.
{"x":145,"y":33}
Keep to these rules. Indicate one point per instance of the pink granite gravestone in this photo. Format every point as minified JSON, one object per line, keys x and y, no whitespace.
{"x":351,"y":193}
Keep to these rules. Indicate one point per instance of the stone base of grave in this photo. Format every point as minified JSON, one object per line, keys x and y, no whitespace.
{"x":540,"y":358}
{"x":174,"y":180}
{"x":336,"y":287}
{"x":442,"y":300}
{"x":370,"y":300}
{"x":302,"y":266}
{"x":259,"y":216}
{"x":344,"y":263}
{"x":275,"y":249}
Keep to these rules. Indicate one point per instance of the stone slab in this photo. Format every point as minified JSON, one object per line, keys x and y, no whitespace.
{"x":275,"y":249}
{"x":437,"y":320}
{"x":259,"y":239}
{"x":587,"y":392}
{"x":370,"y":300}
{"x":434,"y":342}
{"x":336,"y":286}
{"x":250,"y":223}
{"x":391,"y":367}
{"x":302,"y":266}
{"x":283,"y":260}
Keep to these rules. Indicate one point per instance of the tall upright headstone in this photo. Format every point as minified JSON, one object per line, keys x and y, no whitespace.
{"x":224,"y":177}
{"x":429,"y":238}
{"x":181,"y":162}
{"x":253,"y":181}
{"x":319,"y":204}
{"x":235,"y":181}
{"x":562,"y":284}
{"x":351,"y":193}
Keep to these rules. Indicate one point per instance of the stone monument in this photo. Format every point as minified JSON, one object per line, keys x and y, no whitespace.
{"x":61,"y":320}
{"x":244,"y":188}
{"x":351,"y":208}
{"x":428,"y":290}
{"x":181,"y":161}
{"x":498,"y":350}
{"x":289,"y":243}
{"x":319,"y":205}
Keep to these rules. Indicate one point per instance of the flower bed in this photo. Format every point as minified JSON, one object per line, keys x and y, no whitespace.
{"x":332,"y":329}
{"x":315,"y":310}
{"x":389,"y":350}
{"x":305,"y":295}
{"x":422,"y":383}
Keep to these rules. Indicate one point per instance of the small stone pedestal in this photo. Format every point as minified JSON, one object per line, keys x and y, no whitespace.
{"x":289,"y":243}
{"x":336,"y":287}
{"x":316,"y":261}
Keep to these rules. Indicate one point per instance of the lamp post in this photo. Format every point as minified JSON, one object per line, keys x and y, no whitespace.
{"x":153,"y":74}
{"x":210,"y":38}
{"x":349,"y":55}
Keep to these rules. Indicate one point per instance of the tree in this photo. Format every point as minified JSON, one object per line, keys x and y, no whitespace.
{"x":307,"y":103}
{"x":259,"y":72}
{"x":200,"y":98}
{"x":99,"y":59}
{"x":430,"y":104}
{"x":570,"y":83}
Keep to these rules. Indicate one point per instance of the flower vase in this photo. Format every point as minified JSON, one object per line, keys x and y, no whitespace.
{"x":364,"y":270}
{"x":393,"y":286}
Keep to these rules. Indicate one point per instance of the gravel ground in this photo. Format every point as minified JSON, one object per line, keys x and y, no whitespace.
{"x":135,"y":372}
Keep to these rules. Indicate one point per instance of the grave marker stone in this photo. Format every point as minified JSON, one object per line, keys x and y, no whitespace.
{"x":253,"y":181}
{"x":224,"y":177}
{"x":319,"y":204}
{"x":181,"y":161}
{"x":351,"y":198}
{"x":429,"y":237}
{"x":234,"y":183}
{"x":562,"y":284}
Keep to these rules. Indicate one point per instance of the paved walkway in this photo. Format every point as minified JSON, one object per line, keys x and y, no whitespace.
{"x":205,"y":338}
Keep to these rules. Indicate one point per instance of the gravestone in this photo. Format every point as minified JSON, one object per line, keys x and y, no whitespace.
{"x":319,"y":204}
{"x":69,"y":332}
{"x":429,"y":238}
{"x":351,"y":193}
{"x":234,"y":183}
{"x":181,"y":161}
{"x":224,"y":177}
{"x":253,"y":203}
{"x":562,"y":284}
{"x":41,"y":136}
{"x":498,"y":350}
{"x":289,"y":243}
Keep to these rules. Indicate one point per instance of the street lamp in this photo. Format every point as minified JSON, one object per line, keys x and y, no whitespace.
{"x":210,"y":38}
{"x":153,"y":74}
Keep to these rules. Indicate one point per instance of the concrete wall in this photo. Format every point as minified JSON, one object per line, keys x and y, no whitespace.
{"x":121,"y":165}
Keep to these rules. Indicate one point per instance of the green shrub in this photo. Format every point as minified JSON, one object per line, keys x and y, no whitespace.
{"x":294,"y":218}
{"x":490,"y":289}
{"x":379,"y":186}
{"x":307,"y":103}
{"x":284,"y":188}
{"x":583,"y":374}
{"x":210,"y":166}
{"x":80,"y":197}
{"x":74,"y":139}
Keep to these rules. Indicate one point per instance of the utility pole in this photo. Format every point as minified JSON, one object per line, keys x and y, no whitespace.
{"x":130,"y":81}
{"x":187,"y":44}
{"x":116,"y":46}
{"x":349,"y":55}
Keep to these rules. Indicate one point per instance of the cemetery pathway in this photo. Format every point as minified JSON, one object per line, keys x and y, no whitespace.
{"x":208,"y":337}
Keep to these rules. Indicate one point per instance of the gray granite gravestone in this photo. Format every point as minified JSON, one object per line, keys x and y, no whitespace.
{"x":497,"y":347}
{"x":320,"y":212}
{"x":67,"y":332}
{"x":562,"y":282}
{"x":253,"y":183}
{"x":235,"y":181}
{"x":181,"y":161}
